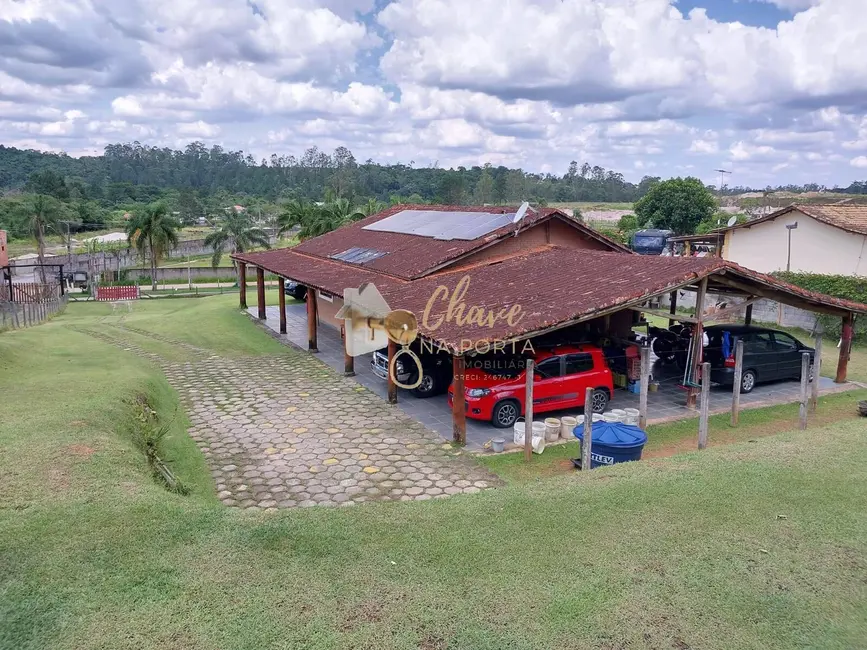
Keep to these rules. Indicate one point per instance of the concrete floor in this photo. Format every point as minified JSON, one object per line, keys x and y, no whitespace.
{"x":668,"y":403}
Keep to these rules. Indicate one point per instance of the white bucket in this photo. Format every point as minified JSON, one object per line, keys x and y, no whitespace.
{"x":632,"y":416}
{"x":610,"y":417}
{"x":580,"y":420}
{"x":598,"y":417}
{"x":552,"y":429}
{"x":538,"y":429}
{"x":520,"y":427}
{"x":538,"y":444}
{"x":620,"y":414}
{"x":567,"y":426}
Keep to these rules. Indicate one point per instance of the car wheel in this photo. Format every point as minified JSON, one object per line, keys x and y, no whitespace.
{"x":600,"y":400}
{"x":427,"y":387}
{"x":748,"y":381}
{"x":505,"y":414}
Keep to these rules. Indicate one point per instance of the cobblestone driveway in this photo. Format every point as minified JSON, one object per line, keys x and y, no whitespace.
{"x":284,"y":431}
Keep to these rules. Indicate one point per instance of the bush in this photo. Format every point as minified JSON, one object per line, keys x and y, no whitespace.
{"x":847,"y":287}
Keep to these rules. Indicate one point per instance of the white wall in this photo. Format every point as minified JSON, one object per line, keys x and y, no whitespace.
{"x":816,"y":247}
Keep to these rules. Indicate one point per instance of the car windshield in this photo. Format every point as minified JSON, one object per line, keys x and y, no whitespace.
{"x":647,"y":241}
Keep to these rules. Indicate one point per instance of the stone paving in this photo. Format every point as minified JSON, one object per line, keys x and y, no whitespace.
{"x":284,"y":431}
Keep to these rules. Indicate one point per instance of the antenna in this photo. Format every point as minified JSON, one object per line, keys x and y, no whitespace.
{"x":722,"y":179}
{"x":732,"y":222}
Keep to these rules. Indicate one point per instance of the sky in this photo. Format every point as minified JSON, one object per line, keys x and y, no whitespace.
{"x":774,"y":91}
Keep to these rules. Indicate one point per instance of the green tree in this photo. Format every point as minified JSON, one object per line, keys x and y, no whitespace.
{"x":236,"y":229}
{"x":153,"y":232}
{"x":679,"y":204}
{"x":43,"y":213}
{"x":484,"y":192}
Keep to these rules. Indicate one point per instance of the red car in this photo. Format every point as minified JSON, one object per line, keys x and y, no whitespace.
{"x":562,"y":378}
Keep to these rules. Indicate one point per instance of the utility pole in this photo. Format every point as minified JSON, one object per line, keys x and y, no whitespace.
{"x":722,"y":181}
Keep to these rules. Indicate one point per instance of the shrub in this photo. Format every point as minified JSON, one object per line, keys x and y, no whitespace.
{"x":847,"y":287}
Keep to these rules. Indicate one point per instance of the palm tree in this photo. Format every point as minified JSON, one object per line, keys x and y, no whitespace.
{"x":314,"y":220}
{"x":43,"y":213}
{"x":372,"y":207}
{"x":238,"y":230}
{"x":153,"y":232}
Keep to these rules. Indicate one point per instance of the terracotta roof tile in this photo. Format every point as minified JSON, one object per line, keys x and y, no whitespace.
{"x":848,"y":217}
{"x":536,"y":280}
{"x":413,"y":256}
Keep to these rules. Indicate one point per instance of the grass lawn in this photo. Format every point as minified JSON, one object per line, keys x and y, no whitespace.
{"x":752,"y":545}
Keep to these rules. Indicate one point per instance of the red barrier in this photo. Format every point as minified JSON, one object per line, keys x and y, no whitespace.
{"x":117,"y":293}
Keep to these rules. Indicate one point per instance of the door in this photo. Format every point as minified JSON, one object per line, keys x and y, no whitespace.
{"x":548,"y":384}
{"x":760,"y":355}
{"x":788,"y":355}
{"x":578,"y":376}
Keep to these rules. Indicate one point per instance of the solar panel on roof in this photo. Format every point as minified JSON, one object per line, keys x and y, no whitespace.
{"x":356,"y":255}
{"x":442,"y":225}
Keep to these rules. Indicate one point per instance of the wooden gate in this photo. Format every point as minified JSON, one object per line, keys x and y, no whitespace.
{"x":30,"y":292}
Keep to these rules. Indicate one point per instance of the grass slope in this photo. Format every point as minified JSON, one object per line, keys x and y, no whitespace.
{"x":754,"y":545}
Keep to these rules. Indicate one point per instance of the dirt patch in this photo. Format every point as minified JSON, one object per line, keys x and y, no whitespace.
{"x":369,"y":611}
{"x":80,"y":450}
{"x":433,"y":642}
{"x":58,"y":479}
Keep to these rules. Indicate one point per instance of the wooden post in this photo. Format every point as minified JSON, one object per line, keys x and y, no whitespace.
{"x":312,"y":315}
{"x":459,"y":400}
{"x":348,"y":359}
{"x":587,"y":440}
{"x":672,"y":309}
{"x":645,"y":380}
{"x":817,"y":373}
{"x":736,"y":384}
{"x":528,"y":412}
{"x":242,"y":283}
{"x":392,"y":387}
{"x":260,"y":291}
{"x":705,"y":406}
{"x":805,"y":380}
{"x":281,"y":288}
{"x":697,"y":344}
{"x":748,"y":316}
{"x":845,"y":349}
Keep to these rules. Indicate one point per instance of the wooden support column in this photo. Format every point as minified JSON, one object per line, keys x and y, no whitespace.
{"x":348,"y":359}
{"x":817,"y":371}
{"x":242,"y":283}
{"x":697,"y":344}
{"x":281,"y":287}
{"x":312,"y":315}
{"x":392,"y":387}
{"x":587,"y":439}
{"x":805,"y":384}
{"x":645,"y":380}
{"x":845,"y":348}
{"x":748,"y":316}
{"x":672,"y":309}
{"x":705,"y":406}
{"x":529,"y":375}
{"x":260,"y":291}
{"x":736,"y":383}
{"x":459,"y":400}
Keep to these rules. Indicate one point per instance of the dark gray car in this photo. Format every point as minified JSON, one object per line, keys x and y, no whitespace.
{"x":769,"y":355}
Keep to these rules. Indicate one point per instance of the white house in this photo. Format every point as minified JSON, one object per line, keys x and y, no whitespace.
{"x":828,"y":239}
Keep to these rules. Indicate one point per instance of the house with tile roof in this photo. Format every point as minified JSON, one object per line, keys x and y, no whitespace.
{"x":560,"y":272}
{"x":829,"y":239}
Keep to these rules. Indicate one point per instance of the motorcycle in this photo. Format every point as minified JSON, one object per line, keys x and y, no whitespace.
{"x":671,"y":344}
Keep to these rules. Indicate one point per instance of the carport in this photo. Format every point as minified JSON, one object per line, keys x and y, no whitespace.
{"x":557,"y":288}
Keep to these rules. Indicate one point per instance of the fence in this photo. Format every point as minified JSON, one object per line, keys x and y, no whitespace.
{"x":16,"y":315}
{"x":117,"y":293}
{"x":31,"y":292}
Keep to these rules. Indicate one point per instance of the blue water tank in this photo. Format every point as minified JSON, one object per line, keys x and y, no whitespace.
{"x":613,"y":442}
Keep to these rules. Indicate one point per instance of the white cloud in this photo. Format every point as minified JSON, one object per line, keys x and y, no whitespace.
{"x":859,"y":162}
{"x":704,"y":146}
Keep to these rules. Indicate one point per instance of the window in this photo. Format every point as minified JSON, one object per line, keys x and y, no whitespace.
{"x":577,"y":363}
{"x":786,"y":343}
{"x":325,"y":296}
{"x":549,"y":368}
{"x":758,"y":342}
